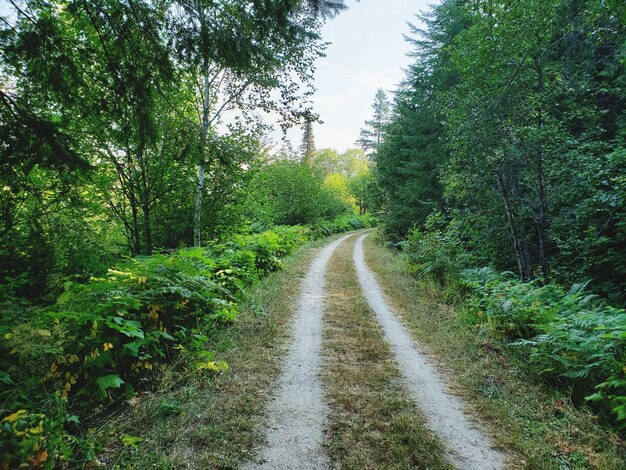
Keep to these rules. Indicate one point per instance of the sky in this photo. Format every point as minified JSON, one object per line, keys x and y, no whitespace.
{"x":368,"y":52}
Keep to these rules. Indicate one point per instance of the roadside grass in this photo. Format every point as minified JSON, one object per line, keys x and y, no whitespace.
{"x":534,"y":420}
{"x":206,"y":420}
{"x":373,"y":424}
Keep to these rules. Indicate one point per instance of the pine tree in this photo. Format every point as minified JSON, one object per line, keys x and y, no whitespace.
{"x":307,"y":148}
{"x":326,"y":8}
{"x":372,"y":134}
{"x":408,"y":162}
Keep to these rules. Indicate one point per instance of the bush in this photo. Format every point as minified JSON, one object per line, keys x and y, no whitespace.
{"x":512,"y":308}
{"x":106,"y":338}
{"x":569,"y":337}
{"x":292,"y":193}
{"x":435,"y":254}
{"x":341,"y":224}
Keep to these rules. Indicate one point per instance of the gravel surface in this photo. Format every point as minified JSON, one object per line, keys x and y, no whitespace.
{"x":298,"y":411}
{"x":468,"y":445}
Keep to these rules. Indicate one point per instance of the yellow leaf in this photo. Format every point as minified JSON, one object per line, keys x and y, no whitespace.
{"x":36,"y":430}
{"x":214,"y":366}
{"x":14,"y":417}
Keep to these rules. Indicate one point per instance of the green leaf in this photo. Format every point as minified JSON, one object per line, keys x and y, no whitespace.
{"x":131,"y":441}
{"x":133,"y":347}
{"x":5,"y":378}
{"x":109,"y":381}
{"x":72,"y":419}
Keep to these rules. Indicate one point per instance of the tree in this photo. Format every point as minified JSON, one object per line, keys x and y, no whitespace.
{"x":288,"y":192}
{"x":360,"y":187}
{"x":326,"y":8}
{"x":372,"y":134}
{"x":106,"y":60}
{"x":413,"y":150}
{"x":307,"y":148}
{"x":511,"y":123}
{"x":350,"y":163}
{"x":106,"y":107}
{"x":236,"y":54}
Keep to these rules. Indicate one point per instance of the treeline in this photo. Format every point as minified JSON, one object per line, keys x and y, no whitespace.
{"x":129,"y":132}
{"x":132,"y":127}
{"x":506,"y":149}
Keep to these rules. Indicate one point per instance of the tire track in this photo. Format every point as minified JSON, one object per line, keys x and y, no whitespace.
{"x":468,"y":445}
{"x":298,"y":412}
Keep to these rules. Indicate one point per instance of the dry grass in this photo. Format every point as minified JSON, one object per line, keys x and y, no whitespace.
{"x":373,"y":423}
{"x":533,"y":420}
{"x":207,"y":421}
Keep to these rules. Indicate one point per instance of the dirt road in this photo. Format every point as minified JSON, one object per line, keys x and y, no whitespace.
{"x":298,"y":411}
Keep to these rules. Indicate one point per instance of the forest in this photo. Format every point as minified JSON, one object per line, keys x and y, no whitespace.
{"x":118,"y":158}
{"x":141,"y":197}
{"x":502,"y":176}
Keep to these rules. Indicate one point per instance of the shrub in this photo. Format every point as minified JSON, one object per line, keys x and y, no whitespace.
{"x":341,"y":224}
{"x":512,"y":308}
{"x":106,"y":338}
{"x":292,"y":193}
{"x":569,"y":337}
{"x":435,"y":254}
{"x":586,"y":349}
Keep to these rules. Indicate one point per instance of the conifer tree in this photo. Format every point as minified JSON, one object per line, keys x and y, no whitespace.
{"x":371,"y":135}
{"x":307,"y":148}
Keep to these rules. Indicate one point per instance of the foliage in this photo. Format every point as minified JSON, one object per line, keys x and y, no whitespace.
{"x":409,"y":160}
{"x":351,"y":163}
{"x":347,"y":175}
{"x":292,"y":193}
{"x":341,"y":224}
{"x":307,"y":148}
{"x":110,"y":336}
{"x":510,"y":122}
{"x":436,"y":252}
{"x":570,"y":337}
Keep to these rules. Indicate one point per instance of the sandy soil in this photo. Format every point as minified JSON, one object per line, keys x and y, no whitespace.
{"x":468,"y":445}
{"x":298,"y":412}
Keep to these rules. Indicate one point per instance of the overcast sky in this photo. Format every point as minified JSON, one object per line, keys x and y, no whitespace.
{"x":368,"y":52}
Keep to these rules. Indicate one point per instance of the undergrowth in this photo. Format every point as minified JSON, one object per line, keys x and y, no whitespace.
{"x":105,"y":339}
{"x":570,"y":338}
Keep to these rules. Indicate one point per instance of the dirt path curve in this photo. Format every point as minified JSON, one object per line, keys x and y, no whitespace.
{"x":468,"y":446}
{"x":298,"y":412}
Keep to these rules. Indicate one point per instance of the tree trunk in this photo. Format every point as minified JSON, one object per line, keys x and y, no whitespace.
{"x":204,"y":130}
{"x":145,"y":200}
{"x":542,"y":222}
{"x":135,"y":235}
{"x":147,"y":225}
{"x":540,"y":186}
{"x":518,"y":236}
{"x":197,"y":219}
